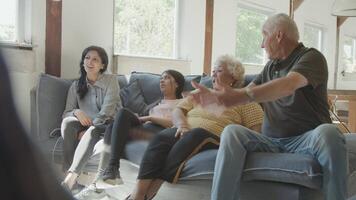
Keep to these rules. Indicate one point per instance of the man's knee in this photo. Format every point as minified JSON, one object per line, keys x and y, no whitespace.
{"x":330,"y":134}
{"x":233,"y":132}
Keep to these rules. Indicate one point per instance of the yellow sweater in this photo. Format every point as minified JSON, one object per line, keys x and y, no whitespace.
{"x":247,"y":115}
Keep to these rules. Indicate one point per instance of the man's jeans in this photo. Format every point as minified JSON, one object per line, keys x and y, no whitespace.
{"x":326,"y":143}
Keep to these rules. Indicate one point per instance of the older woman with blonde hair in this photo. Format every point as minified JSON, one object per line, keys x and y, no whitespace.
{"x":195,"y":129}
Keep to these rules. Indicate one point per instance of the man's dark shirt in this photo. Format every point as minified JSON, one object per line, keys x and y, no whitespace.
{"x":307,"y":107}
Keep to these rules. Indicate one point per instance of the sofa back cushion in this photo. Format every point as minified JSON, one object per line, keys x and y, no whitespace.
{"x":132,"y":98}
{"x":149,"y":84}
{"x":51,"y":99}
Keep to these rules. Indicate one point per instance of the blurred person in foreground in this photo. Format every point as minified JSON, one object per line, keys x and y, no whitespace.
{"x":23,"y":171}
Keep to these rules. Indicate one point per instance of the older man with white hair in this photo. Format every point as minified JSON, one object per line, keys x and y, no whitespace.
{"x":293,"y":90}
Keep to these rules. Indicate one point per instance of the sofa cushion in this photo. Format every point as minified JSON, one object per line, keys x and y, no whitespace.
{"x":283,"y":167}
{"x":50,"y":91}
{"x":188,"y":78}
{"x":132,"y":98}
{"x":122,"y":81}
{"x":206,"y":81}
{"x":149,"y":84}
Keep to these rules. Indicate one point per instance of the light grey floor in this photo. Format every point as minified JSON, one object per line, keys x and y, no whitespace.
{"x":192,"y":190}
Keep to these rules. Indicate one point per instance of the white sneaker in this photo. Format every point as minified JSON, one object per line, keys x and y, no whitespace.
{"x":90,"y":193}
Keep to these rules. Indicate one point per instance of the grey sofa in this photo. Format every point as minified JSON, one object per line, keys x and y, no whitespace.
{"x":266,"y":176}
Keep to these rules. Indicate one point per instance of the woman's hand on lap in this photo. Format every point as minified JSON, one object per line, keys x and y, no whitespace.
{"x":83,"y":118}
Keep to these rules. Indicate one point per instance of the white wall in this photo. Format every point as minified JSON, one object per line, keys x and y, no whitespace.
{"x":191,"y":33}
{"x":128,"y":64}
{"x":85,"y":23}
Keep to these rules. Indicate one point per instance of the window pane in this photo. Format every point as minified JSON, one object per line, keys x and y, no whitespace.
{"x":349,"y":55}
{"x":312,"y":36}
{"x":249,"y":37}
{"x":8,"y":20}
{"x":144,"y":27}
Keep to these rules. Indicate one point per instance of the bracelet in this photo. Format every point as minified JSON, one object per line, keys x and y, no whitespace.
{"x":249,"y":94}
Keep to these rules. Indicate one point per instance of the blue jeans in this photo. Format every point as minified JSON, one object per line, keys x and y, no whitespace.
{"x":326,"y":143}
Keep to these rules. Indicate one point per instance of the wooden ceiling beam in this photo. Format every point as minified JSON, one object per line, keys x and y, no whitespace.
{"x":340,"y":20}
{"x":53,"y":46}
{"x":293,"y":6}
{"x":208,"y":45}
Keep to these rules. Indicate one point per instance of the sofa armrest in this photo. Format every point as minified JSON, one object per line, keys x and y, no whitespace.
{"x":49,"y":103}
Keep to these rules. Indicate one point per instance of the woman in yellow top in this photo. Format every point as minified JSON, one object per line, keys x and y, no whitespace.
{"x":196,"y":129}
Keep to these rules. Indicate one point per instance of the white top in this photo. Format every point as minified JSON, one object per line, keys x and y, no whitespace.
{"x":164,"y":108}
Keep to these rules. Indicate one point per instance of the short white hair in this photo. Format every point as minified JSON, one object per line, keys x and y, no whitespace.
{"x":284,"y":22}
{"x":234,"y":66}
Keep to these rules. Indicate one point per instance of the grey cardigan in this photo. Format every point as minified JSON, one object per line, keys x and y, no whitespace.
{"x":101,"y":103}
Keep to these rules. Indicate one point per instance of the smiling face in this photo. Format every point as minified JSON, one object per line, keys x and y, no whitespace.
{"x":222,"y":77}
{"x":93,"y":63}
{"x":168,"y":85}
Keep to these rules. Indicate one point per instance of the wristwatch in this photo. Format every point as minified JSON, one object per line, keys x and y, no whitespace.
{"x":249,"y":94}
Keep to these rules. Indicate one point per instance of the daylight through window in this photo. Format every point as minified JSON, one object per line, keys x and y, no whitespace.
{"x":313,"y":36}
{"x":349,"y":54}
{"x":249,"y":37}
{"x":145,"y":28}
{"x":8,"y":18}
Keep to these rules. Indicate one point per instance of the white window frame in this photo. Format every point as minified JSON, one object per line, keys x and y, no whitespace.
{"x":176,"y":38}
{"x":254,"y":7}
{"x":321,"y":34}
{"x":22,"y":25}
{"x":344,"y":73}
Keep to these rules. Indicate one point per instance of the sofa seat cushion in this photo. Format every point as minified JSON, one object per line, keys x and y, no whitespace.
{"x":280,"y":167}
{"x":283,"y":167}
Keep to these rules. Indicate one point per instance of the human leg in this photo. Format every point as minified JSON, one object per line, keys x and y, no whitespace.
{"x":327,"y":144}
{"x":70,"y":128}
{"x":153,"y":160}
{"x":85,"y":148}
{"x":118,"y":137}
{"x":187,"y":146}
{"x":235,"y":142}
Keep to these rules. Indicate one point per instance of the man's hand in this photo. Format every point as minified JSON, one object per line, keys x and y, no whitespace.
{"x":181,"y":131}
{"x":83,"y":118}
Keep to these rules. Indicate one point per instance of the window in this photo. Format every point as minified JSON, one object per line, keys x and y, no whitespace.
{"x":349,"y":54}
{"x":8,"y":10}
{"x":313,"y":36}
{"x":15,"y":21}
{"x":249,"y":37}
{"x":145,"y":28}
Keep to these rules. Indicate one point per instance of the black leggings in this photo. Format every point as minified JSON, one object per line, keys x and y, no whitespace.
{"x":166,"y":155}
{"x":117,"y":133}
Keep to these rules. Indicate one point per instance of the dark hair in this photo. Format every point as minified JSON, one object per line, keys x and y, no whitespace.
{"x":82,"y":87}
{"x":179,"y":78}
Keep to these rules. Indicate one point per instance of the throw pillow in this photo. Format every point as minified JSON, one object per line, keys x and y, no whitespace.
{"x":149,"y":84}
{"x":132,"y":98}
{"x":188,"y":78}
